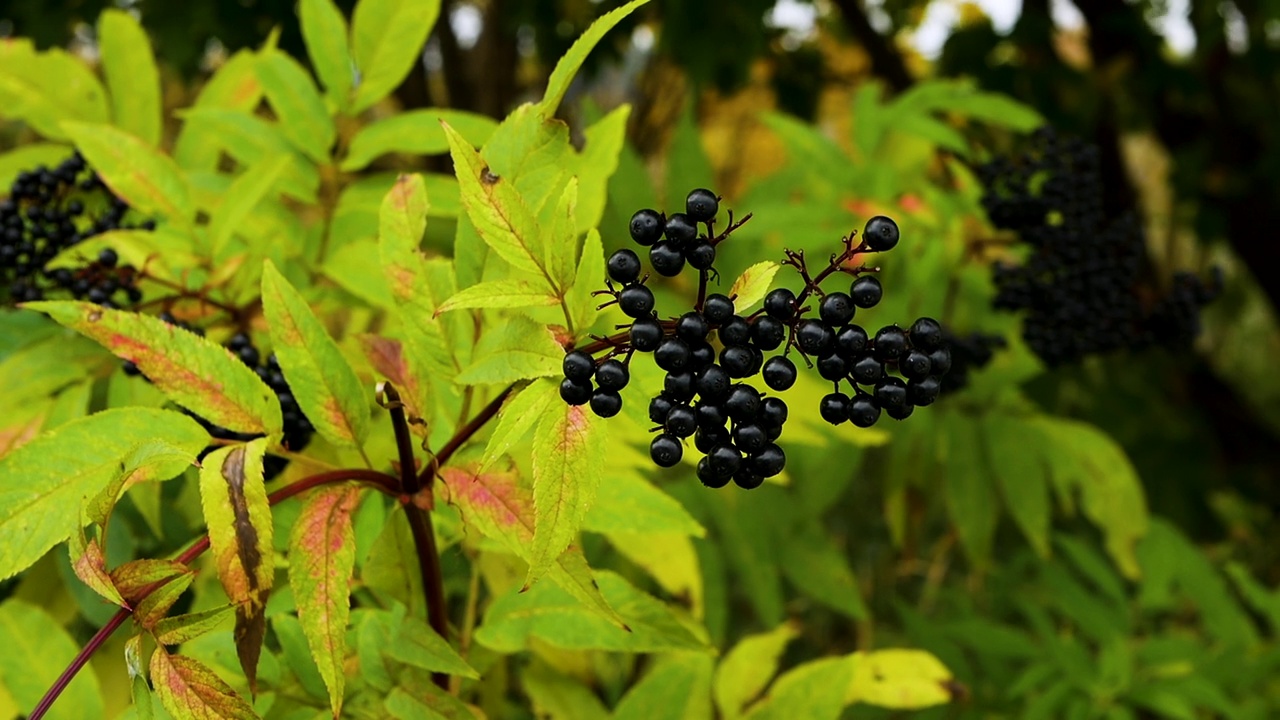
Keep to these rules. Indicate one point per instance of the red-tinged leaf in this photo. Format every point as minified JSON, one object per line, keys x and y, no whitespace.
{"x":153,"y":608}
{"x":90,"y":565}
{"x":568,"y":461}
{"x":136,"y":576}
{"x":239,"y":520}
{"x":183,"y":628}
{"x":322,"y":555}
{"x":196,"y":373}
{"x":495,"y":503}
{"x":324,"y":384}
{"x":388,"y":359}
{"x":191,"y":691}
{"x":17,"y":435}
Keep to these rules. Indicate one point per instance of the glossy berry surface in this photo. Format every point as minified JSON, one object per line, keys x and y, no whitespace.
{"x":701,"y":255}
{"x":768,"y":333}
{"x":717,"y":309}
{"x":678,"y":385}
{"x":743,"y":403}
{"x":692,"y":327}
{"x":681,"y":421}
{"x":880,"y":233}
{"x":681,"y":229}
{"x":832,"y":367}
{"x":736,"y":361}
{"x":890,"y":343}
{"x":834,"y":408}
{"x":701,"y":205}
{"x":666,"y":451}
{"x":780,"y":304}
{"x":926,"y":334}
{"x":606,"y":403}
{"x":836,"y":309}
{"x":867,"y":370}
{"x":713,"y":383}
{"x":891,"y":392}
{"x":666,"y":258}
{"x":612,"y":375}
{"x":623,"y":266}
{"x":851,"y":341}
{"x":645,"y":334}
{"x":866,"y":292}
{"x":863,"y":411}
{"x":577,"y":365}
{"x":779,"y":373}
{"x":915,"y":365}
{"x":923,"y":392}
{"x":636,"y":301}
{"x":647,"y":227}
{"x":672,"y":354}
{"x":735,"y":332}
{"x":659,"y":407}
{"x":814,"y":337}
{"x":575,"y":392}
{"x":769,"y":462}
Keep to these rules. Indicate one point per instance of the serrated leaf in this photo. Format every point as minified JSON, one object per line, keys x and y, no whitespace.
{"x":326,"y":387}
{"x":238,"y":516}
{"x":634,"y":504}
{"x":499,"y":294}
{"x":148,"y":180}
{"x":324,"y":30}
{"x":499,"y":214}
{"x":179,"y":629}
{"x":495,"y":503}
{"x":386,"y":39}
{"x":509,"y":366}
{"x":568,"y":462}
{"x":1023,"y":476}
{"x":417,"y":132}
{"x":568,"y":65}
{"x":90,"y":565}
{"x":747,"y":669}
{"x":599,"y":160}
{"x":190,"y":370}
{"x":132,"y":75}
{"x":812,"y":690}
{"x":36,"y":650}
{"x":150,"y":460}
{"x":562,"y":245}
{"x":189,"y":690}
{"x":899,"y":679}
{"x":821,"y":570}
{"x":136,"y":577}
{"x":414,"y":643}
{"x":677,"y":688}
{"x":322,"y":556}
{"x":304,"y":120}
{"x":587,"y":279}
{"x":42,"y":484}
{"x":156,"y":602}
{"x":752,"y":285}
{"x":249,"y":189}
{"x":517,"y":417}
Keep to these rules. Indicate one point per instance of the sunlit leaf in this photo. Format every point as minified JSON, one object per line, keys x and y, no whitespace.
{"x":415,"y":643}
{"x":568,"y":463}
{"x":677,"y":688}
{"x":752,"y":285}
{"x":568,"y":65}
{"x":297,"y":104}
{"x":132,"y":75}
{"x":179,"y":629}
{"x":517,"y":417}
{"x":324,"y":30}
{"x":148,"y":180}
{"x":899,"y":679}
{"x":189,"y":690}
{"x":386,"y":40}
{"x":36,"y":650}
{"x":500,"y":294}
{"x":747,"y":668}
{"x":417,"y":132}
{"x":814,"y":690}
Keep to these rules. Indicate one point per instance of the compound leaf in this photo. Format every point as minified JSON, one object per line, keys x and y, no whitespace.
{"x":132,"y":75}
{"x":324,"y":30}
{"x":147,"y":179}
{"x":386,"y":39}
{"x":304,"y":120}
{"x":569,"y":64}
{"x":568,"y":462}
{"x":189,"y":690}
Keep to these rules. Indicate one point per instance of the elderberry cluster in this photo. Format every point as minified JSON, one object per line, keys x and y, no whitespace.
{"x":1086,"y":287}
{"x":49,"y":210}
{"x":733,"y":424}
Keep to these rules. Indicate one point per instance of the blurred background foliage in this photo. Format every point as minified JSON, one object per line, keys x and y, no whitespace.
{"x":938,"y":532}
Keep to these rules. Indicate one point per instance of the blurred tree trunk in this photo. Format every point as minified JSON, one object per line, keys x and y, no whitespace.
{"x":886,"y":61}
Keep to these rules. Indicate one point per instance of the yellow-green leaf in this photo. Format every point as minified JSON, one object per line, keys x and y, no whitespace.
{"x":387,"y":38}
{"x":597,"y":163}
{"x":899,"y":679}
{"x":132,"y":75}
{"x":517,"y":417}
{"x":304,"y":120}
{"x":25,"y":157}
{"x":179,"y":629}
{"x":242,"y":197}
{"x":417,"y":132}
{"x":677,"y":688}
{"x":415,"y":643}
{"x":326,"y":387}
{"x":500,"y":294}
{"x":90,"y":565}
{"x":813,"y":690}
{"x":196,"y":373}
{"x":43,"y":483}
{"x":189,"y":690}
{"x":324,"y":30}
{"x":588,"y":279}
{"x":562,"y":242}
{"x":234,"y":86}
{"x":752,"y":285}
{"x":747,"y":669}
{"x":36,"y":650}
{"x":571,"y":61}
{"x":568,"y":462}
{"x":322,"y":554}
{"x":1023,"y":476}
{"x":238,"y":516}
{"x":150,"y":181}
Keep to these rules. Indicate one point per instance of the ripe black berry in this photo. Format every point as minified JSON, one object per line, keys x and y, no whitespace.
{"x":773,"y":412}
{"x":851,"y":341}
{"x":612,"y":375}
{"x":725,"y":460}
{"x":747,"y":480}
{"x":926,"y":334}
{"x":940,"y":359}
{"x":712,"y":383}
{"x":891,"y":392}
{"x":834,"y":408}
{"x":780,"y":304}
{"x":915,"y":365}
{"x":863,"y":411}
{"x":814,"y":337}
{"x":666,"y":258}
{"x":577,"y":365}
{"x":779,"y":373}
{"x":880,"y":233}
{"x":108,"y":258}
{"x":681,"y":421}
{"x":737,"y":360}
{"x":672,"y":354}
{"x":606,"y":403}
{"x":701,"y":354}
{"x":692,"y":327}
{"x":702,"y":205}
{"x":666,"y":451}
{"x":867,"y":370}
{"x":743,"y":403}
{"x":708,"y":475}
{"x":735,"y":332}
{"x":833,"y":367}
{"x":866,"y":291}
{"x":659,"y":407}
{"x":717,"y":309}
{"x":901,"y":412}
{"x":678,"y":385}
{"x":636,"y":301}
{"x":647,"y":227}
{"x":701,"y":255}
{"x":709,"y":415}
{"x":768,"y":462}
{"x":624,"y":266}
{"x":575,"y":392}
{"x":750,"y":438}
{"x":767,"y":333}
{"x":681,"y":229}
{"x":707,"y":438}
{"x":836,"y":309}
{"x":924,"y":391}
{"x":890,"y":343}
{"x":645,"y":334}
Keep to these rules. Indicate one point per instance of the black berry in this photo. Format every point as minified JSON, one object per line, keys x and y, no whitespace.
{"x":915,"y":365}
{"x":647,"y":227}
{"x":780,"y":304}
{"x":672,"y":354}
{"x":863,"y":411}
{"x":867,"y":370}
{"x":866,"y":291}
{"x":645,"y":334}
{"x":612,"y":375}
{"x":768,"y":462}
{"x":666,"y":258}
{"x":767,"y":333}
{"x":814,"y":337}
{"x":924,"y":391}
{"x":678,"y":385}
{"x":735,"y":332}
{"x":659,"y":407}
{"x":578,"y":365}
{"x":737,"y":361}
{"x":666,"y":451}
{"x":834,"y":408}
{"x":890,"y":343}
{"x":743,"y":403}
{"x":717,"y":309}
{"x":575,"y":392}
{"x":692,"y":327}
{"x":779,"y":373}
{"x":624,"y":266}
{"x":702,"y":205}
{"x":891,"y":392}
{"x":681,"y":421}
{"x":636,"y":301}
{"x":833,"y":367}
{"x":926,"y":334}
{"x":712,"y":383}
{"x":880,"y":233}
{"x":836,"y":309}
{"x":606,"y":403}
{"x":681,"y":229}
{"x":701,"y":255}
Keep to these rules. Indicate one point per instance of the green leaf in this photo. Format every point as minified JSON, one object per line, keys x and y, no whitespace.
{"x":970,"y":493}
{"x":496,"y":504}
{"x":752,"y":285}
{"x":387,"y":38}
{"x":147,"y":461}
{"x":819,"y":569}
{"x":747,"y":669}
{"x":249,"y":189}
{"x":559,"y":697}
{"x":415,"y":643}
{"x":562,"y":244}
{"x":46,"y":88}
{"x":190,"y":370}
{"x":998,"y":109}
{"x":499,"y":294}
{"x":42,"y":483}
{"x":677,"y":688}
{"x":322,"y":555}
{"x":899,"y":679}
{"x":130,"y":69}
{"x":582,"y":304}
{"x":520,"y":349}
{"x":1023,"y":476}
{"x":239,"y":520}
{"x":814,"y":690}
{"x":179,"y":629}
{"x":568,"y":65}
{"x":324,"y":30}
{"x":548,"y":613}
{"x":234,"y":86}
{"x":189,"y":690}
{"x":417,"y":698}
{"x":599,"y":160}
{"x":149,"y":181}
{"x":687,"y":163}
{"x":670,"y":558}
{"x":568,"y":462}
{"x":326,"y":387}
{"x":417,"y":132}
{"x":634,"y":504}
{"x":304,"y":120}
{"x":37,"y":650}
{"x":517,"y":417}
{"x":935,"y":131}
{"x":498,"y":212}
{"x":249,"y":140}
{"x":139,"y":690}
